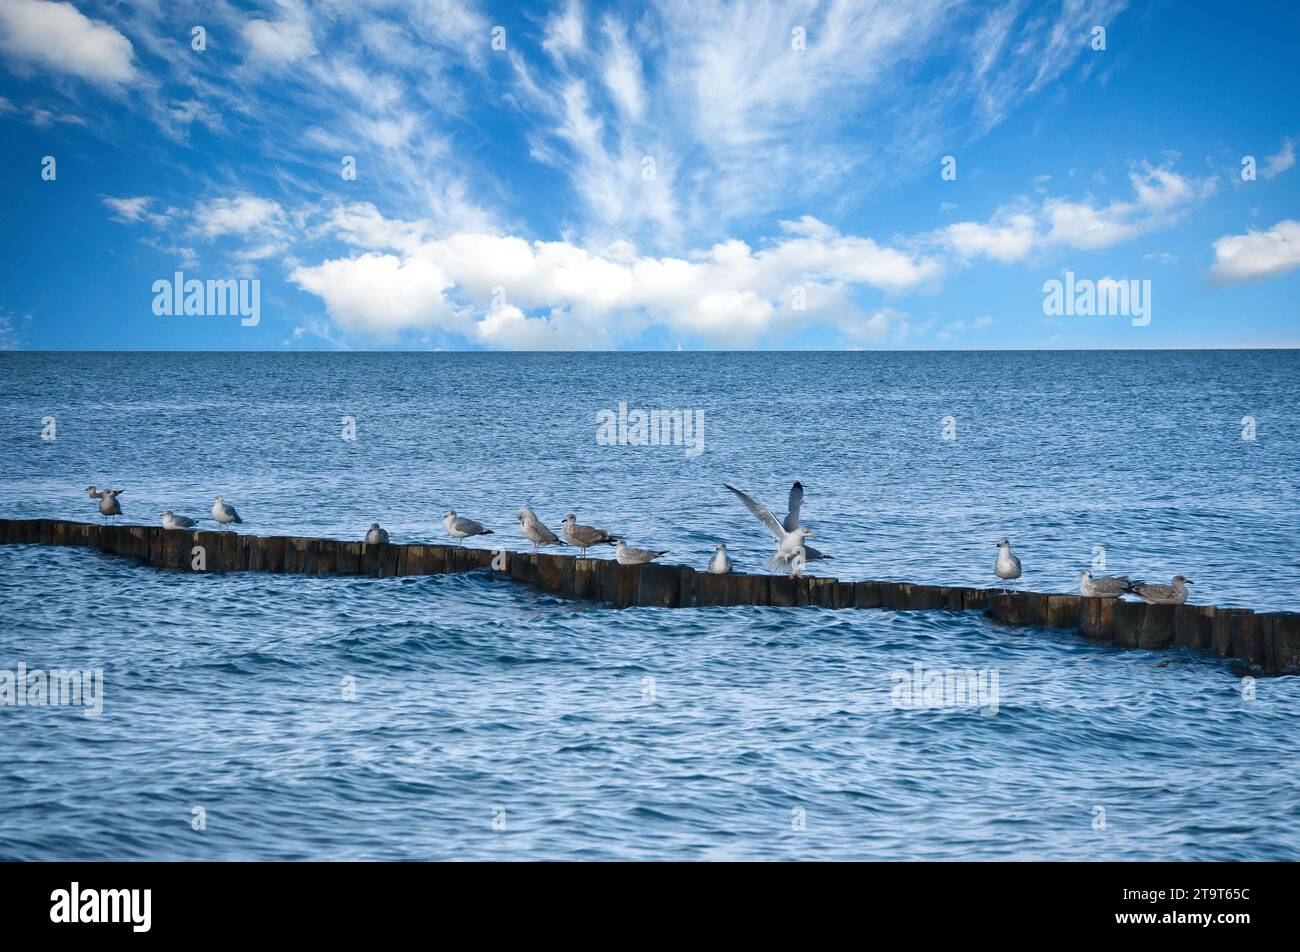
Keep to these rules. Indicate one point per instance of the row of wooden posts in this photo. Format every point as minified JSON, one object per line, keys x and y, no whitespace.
{"x":1267,"y":641}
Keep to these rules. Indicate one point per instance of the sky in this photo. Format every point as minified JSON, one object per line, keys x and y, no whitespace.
{"x":384,"y":175}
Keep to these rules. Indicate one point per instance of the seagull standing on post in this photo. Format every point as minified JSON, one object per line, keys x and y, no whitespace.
{"x":108,"y":504}
{"x":460,"y":528}
{"x":584,"y":536}
{"x":535,"y":531}
{"x":1007,"y":566}
{"x":1155,"y":594}
{"x":1108,"y":586}
{"x":224,"y":512}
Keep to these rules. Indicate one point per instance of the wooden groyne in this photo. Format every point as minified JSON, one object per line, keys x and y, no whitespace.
{"x":1267,"y":641}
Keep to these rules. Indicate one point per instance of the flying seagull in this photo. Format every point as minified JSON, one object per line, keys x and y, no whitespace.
{"x":1155,"y":594}
{"x":779,"y":529}
{"x":458,"y":527}
{"x":584,"y":536}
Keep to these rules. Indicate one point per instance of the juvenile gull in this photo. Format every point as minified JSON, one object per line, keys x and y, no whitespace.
{"x":720,"y":564}
{"x":535,"y":531}
{"x":584,"y":536}
{"x":376,"y":535}
{"x":626,"y":555}
{"x":108,"y":504}
{"x":779,"y":529}
{"x":791,"y":553}
{"x":1156,"y":594}
{"x":171,"y":521}
{"x":1007,"y":566}
{"x":1108,"y":586}
{"x":460,"y":528}
{"x":224,"y":512}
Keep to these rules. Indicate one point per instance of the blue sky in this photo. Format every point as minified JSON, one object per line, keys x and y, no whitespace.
{"x":630,"y":176}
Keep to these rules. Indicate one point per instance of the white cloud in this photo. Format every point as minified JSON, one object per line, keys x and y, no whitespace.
{"x":279,"y":42}
{"x":559,"y":294}
{"x":1257,"y":254}
{"x":128,"y":209}
{"x":379,"y":294}
{"x":622,"y":72}
{"x":886,"y":324}
{"x":1160,"y":197}
{"x":238,"y":216}
{"x":1009,"y":241}
{"x":58,"y":37}
{"x":1280,"y":161}
{"x":564,"y":31}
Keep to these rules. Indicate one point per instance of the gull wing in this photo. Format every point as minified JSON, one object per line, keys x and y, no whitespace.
{"x":792,"y":513}
{"x":468,"y":526}
{"x":762,"y":513}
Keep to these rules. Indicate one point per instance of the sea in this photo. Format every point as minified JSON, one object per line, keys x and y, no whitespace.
{"x":245,"y":716}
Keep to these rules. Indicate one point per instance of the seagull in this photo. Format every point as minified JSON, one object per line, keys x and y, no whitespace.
{"x":1007,"y":566}
{"x":792,"y":553}
{"x":376,"y":535}
{"x":224,"y":512}
{"x":629,"y":556}
{"x":720,"y":564}
{"x":1109,"y":586}
{"x":170,"y":521}
{"x":1154,"y":594}
{"x":779,"y":529}
{"x":108,"y":504}
{"x":94,"y":493}
{"x":535,"y":531}
{"x":460,"y":528}
{"x":584,"y":536}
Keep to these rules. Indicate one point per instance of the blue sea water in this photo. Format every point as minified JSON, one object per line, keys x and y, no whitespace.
{"x":494,"y":722}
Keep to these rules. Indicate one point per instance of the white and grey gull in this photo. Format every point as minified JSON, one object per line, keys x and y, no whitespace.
{"x":584,"y":536}
{"x":1156,"y":594}
{"x":225,"y":513}
{"x":460,"y":528}
{"x":626,"y":555}
{"x":172,"y":521}
{"x":789,"y":524}
{"x":1007,"y":567}
{"x":536,"y":531}
{"x":720,"y":564}
{"x":108,"y":504}
{"x":1106,"y":586}
{"x":375,"y":535}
